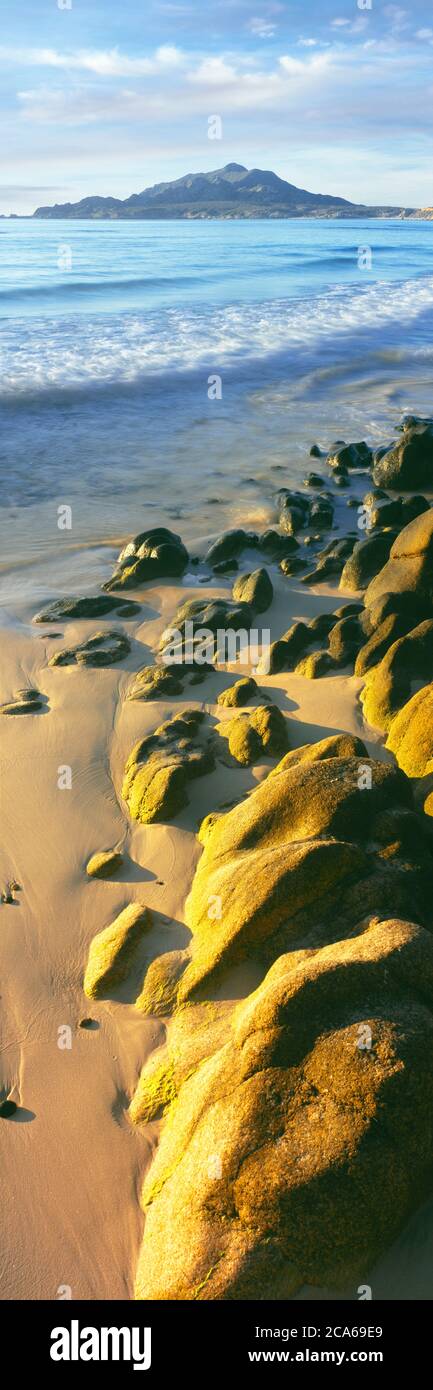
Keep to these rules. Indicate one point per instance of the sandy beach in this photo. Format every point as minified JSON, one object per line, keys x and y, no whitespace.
{"x":73,"y":1163}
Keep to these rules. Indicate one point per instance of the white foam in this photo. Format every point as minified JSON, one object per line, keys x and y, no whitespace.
{"x":40,"y":354}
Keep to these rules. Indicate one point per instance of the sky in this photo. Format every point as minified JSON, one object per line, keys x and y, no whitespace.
{"x":110,"y":96}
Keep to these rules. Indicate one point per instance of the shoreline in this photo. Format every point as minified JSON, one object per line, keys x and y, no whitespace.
{"x":92,"y":1239}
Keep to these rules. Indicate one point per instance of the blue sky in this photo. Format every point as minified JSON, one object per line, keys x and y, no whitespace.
{"x":108,"y":96}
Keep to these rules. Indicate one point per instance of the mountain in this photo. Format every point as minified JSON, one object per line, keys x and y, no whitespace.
{"x":232,"y":192}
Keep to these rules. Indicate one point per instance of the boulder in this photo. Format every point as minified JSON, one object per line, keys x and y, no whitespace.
{"x":239,"y":694}
{"x":409,"y":464}
{"x":263,"y":733}
{"x":255,"y":589}
{"x":160,"y":766}
{"x":103,"y":649}
{"x":388,"y":685}
{"x":154,"y":554}
{"x":410,"y":566}
{"x":368,"y":556}
{"x":273,"y":1168}
{"x":410,"y":734}
{"x":104,"y":863}
{"x":229,"y":546}
{"x":97,"y":606}
{"x":112,"y":950}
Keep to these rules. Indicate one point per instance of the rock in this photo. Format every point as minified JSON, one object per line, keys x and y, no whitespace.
{"x":304,"y":1123}
{"x":103,"y":649}
{"x":315,"y":452}
{"x":89,"y":1024}
{"x":274,"y":544}
{"x":294,"y":511}
{"x":410,"y":734}
{"x":330,"y":560}
{"x":294,"y":565}
{"x":284,"y":653}
{"x":351,"y":456}
{"x":409,"y":606}
{"x":154,"y":554}
{"x":244,"y":742}
{"x":95,"y":607}
{"x":322,"y":624}
{"x":7,"y":1109}
{"x":263,"y":733}
{"x":159,"y":994}
{"x":226,"y":566}
{"x":162,"y":682}
{"x":112,"y":950}
{"x":25,"y":702}
{"x":255,"y":589}
{"x":385,"y":512}
{"x":199,"y":633}
{"x":410,"y":463}
{"x":378,"y":644}
{"x":315,"y":665}
{"x":366,"y":559}
{"x":388,"y":685}
{"x":410,"y":565}
{"x":229,"y":546}
{"x":160,"y":766}
{"x":314,"y":479}
{"x":345,"y":640}
{"x":335,"y":746}
{"x":104,"y":863}
{"x":239,"y":694}
{"x":321,"y":513}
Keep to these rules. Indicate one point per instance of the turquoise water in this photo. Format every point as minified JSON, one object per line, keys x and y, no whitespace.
{"x":109,"y":331}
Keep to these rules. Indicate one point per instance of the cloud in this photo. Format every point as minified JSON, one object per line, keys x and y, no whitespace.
{"x":261,"y":28}
{"x":307,"y":43}
{"x":102,"y":63}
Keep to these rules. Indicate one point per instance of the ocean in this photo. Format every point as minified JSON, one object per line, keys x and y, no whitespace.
{"x":110,"y":331}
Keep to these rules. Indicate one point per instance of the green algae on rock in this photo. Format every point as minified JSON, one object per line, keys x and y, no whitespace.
{"x":256,"y":589}
{"x":410,"y":734}
{"x":104,"y":863}
{"x":275,"y":1158}
{"x":154,"y":554}
{"x":103,"y":649}
{"x":112,"y":950}
{"x":239,"y":694}
{"x":96,"y":606}
{"x":263,"y":733}
{"x":160,"y":766}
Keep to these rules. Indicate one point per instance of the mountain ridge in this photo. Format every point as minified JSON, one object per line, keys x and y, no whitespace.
{"x":219,"y":194}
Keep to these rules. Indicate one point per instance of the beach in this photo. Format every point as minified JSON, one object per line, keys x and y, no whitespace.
{"x":107,"y":411}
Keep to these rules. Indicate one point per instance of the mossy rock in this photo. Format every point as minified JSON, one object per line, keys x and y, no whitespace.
{"x":160,"y":766}
{"x":256,"y":589}
{"x":409,"y":569}
{"x":263,"y":733}
{"x":379,"y":643}
{"x":112,"y":950}
{"x":239,"y":694}
{"x":345,"y":639}
{"x":103,"y":649}
{"x":273,"y":1168}
{"x":104,"y":863}
{"x":368,"y":556}
{"x":410,"y":463}
{"x":96,"y":606}
{"x":335,"y":746}
{"x":229,"y":546}
{"x":315,"y":665}
{"x":388,"y":685}
{"x":154,"y":554}
{"x":158,"y":996}
{"x":410,"y":735}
